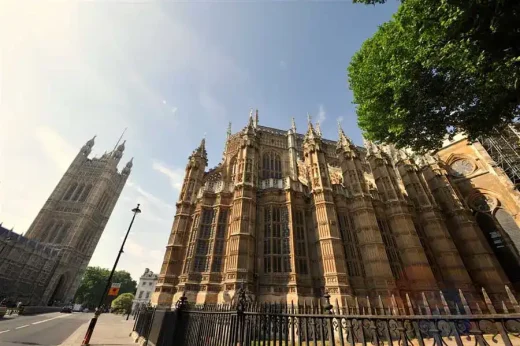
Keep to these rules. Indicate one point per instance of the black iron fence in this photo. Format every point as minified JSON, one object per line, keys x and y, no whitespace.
{"x":253,"y":324}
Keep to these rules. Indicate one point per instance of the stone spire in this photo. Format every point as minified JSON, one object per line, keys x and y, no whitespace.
{"x":293,"y":125}
{"x":87,"y":148}
{"x":256,"y":118}
{"x":128,"y":167}
{"x":229,"y":130}
{"x":344,"y":142}
{"x":318,"y":128}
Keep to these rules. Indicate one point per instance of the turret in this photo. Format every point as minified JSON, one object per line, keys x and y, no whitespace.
{"x":128,"y":167}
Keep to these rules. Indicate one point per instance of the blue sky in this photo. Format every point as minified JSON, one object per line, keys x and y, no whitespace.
{"x":170,"y":72}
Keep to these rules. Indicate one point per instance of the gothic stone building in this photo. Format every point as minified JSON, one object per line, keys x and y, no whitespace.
{"x":47,"y":263}
{"x":289,"y":216}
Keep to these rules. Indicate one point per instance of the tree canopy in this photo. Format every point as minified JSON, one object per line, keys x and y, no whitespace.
{"x":93,"y":283}
{"x":439,"y":67}
{"x":123,"y":303}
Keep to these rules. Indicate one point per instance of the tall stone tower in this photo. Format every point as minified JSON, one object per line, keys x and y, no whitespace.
{"x":75,"y":215}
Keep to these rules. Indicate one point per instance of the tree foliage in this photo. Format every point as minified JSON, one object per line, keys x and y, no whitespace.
{"x":439,"y":67}
{"x":123,"y":303}
{"x":94,"y":281}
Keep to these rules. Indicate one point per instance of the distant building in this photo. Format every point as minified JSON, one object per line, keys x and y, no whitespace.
{"x":46,"y":265}
{"x":145,"y":288}
{"x":288,"y":216}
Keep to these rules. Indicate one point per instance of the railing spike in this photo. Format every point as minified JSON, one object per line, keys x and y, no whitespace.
{"x":426,"y":304}
{"x":457,"y":310}
{"x":410,"y":306}
{"x":395,"y":310}
{"x":512,"y":299}
{"x":364,"y":312}
{"x":479,"y":310}
{"x":357,"y":305}
{"x":381,"y":306}
{"x":338,"y":311}
{"x":346,"y":306}
{"x":504,"y":308}
{"x":488,"y":302}
{"x":437,"y":311}
{"x":369,"y":307}
{"x":444,"y":304}
{"x":465,"y":305}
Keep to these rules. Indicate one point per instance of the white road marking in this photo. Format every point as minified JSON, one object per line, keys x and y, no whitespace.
{"x":22,"y":326}
{"x":50,"y":319}
{"x":5,"y":331}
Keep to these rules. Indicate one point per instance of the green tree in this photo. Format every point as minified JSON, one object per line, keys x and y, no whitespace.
{"x":93,"y":283}
{"x":439,"y":67}
{"x":123,"y":303}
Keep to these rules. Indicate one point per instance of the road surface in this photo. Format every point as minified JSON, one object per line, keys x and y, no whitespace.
{"x":45,"y":329}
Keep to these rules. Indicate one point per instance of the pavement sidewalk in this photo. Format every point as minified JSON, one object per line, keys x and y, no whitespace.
{"x":110,"y":329}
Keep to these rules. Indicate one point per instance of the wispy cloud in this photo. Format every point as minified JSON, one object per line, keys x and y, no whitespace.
{"x":176,"y":175}
{"x":283,"y":64}
{"x":321,"y":114}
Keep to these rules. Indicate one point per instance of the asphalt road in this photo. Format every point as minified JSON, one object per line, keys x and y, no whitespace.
{"x":45,"y":329}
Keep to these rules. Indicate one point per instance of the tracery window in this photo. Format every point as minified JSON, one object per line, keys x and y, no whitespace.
{"x":69,"y":192}
{"x":276,"y":240}
{"x":271,"y":166}
{"x":350,"y":244}
{"x":391,"y":249}
{"x":218,"y":251}
{"x":85,"y":193}
{"x":300,"y":243}
{"x":201,"y":262}
{"x":78,"y":192}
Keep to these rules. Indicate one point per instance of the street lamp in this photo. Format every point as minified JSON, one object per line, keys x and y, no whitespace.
{"x":93,"y":321}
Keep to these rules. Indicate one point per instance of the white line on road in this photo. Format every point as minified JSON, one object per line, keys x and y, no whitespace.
{"x":22,"y":326}
{"x":5,"y":331}
{"x":50,"y":319}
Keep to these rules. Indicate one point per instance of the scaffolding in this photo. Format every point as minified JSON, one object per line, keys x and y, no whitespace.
{"x":504,"y":149}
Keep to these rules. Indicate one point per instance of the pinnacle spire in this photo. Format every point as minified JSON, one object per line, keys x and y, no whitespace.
{"x":343,"y":140}
{"x":256,"y":118}
{"x":318,"y":128}
{"x":309,"y":119}
{"x":293,"y":125}
{"x":229,"y":129}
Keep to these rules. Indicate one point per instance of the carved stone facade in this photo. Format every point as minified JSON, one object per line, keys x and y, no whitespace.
{"x":47,"y":263}
{"x":288,"y":216}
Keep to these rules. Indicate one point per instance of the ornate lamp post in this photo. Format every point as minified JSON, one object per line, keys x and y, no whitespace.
{"x":93,"y":321}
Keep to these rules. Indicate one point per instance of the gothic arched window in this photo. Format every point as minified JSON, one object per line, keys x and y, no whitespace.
{"x":69,"y":192}
{"x":233,"y":170}
{"x":62,"y":233}
{"x":78,"y":192}
{"x":52,"y":235}
{"x":271,"y":166}
{"x":277,"y":257}
{"x":85,"y":193}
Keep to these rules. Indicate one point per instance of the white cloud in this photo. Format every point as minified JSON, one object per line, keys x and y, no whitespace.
{"x":164,"y":102}
{"x":321,"y":114}
{"x":175,"y":175}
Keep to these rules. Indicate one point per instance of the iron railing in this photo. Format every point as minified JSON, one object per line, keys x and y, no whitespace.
{"x":254,"y":324}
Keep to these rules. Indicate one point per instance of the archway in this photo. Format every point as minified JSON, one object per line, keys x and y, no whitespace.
{"x":58,"y":292}
{"x":501,"y":245}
